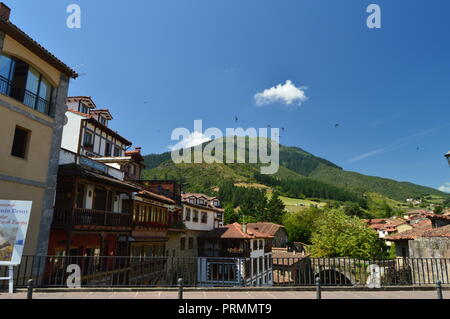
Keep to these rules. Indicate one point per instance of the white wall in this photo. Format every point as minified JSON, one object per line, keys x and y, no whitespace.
{"x":199,"y":225}
{"x":71,"y":132}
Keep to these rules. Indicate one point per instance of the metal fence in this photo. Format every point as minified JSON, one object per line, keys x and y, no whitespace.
{"x":61,"y":271}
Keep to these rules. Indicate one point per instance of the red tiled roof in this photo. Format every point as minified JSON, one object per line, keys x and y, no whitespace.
{"x":438,"y":232}
{"x":266,"y":228}
{"x":87,"y":99}
{"x":234,"y":231}
{"x":441,"y":217}
{"x":79,"y":113}
{"x":410,"y":234}
{"x":185,"y":199}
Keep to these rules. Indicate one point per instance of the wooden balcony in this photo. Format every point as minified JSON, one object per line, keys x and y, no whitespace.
{"x":82,"y":218}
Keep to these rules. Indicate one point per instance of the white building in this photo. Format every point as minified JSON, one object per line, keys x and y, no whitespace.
{"x":234,"y":255}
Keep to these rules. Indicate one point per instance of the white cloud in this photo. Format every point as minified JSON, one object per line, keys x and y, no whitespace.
{"x":194,"y":139}
{"x":286,"y":93}
{"x":445,"y":188}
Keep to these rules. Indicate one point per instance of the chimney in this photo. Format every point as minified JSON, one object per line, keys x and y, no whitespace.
{"x":138,"y":149}
{"x":244,"y":228}
{"x":5,"y":11}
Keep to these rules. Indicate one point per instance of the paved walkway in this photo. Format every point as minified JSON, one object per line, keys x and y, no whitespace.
{"x":234,"y":295}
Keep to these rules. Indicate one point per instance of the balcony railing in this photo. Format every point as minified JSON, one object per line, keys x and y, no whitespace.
{"x":90,"y":217}
{"x":24,"y":96}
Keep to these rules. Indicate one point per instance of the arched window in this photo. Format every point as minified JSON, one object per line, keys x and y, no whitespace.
{"x":24,"y":83}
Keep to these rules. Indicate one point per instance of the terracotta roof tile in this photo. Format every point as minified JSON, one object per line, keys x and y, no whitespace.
{"x":438,"y":232}
{"x":411,"y":234}
{"x":266,"y":228}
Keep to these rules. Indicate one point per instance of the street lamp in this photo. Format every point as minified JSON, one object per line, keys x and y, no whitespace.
{"x":448,"y":157}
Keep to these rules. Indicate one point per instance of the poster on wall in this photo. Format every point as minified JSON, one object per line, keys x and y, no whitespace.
{"x":14,"y":218}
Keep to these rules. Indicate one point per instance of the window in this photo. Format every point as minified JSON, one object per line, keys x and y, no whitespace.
{"x":107,"y":149}
{"x":204,"y":218}
{"x":20,"y":142}
{"x":25,"y":84}
{"x":195,"y":217}
{"x":117,"y":151}
{"x":191,"y":243}
{"x":182,"y":243}
{"x":255,"y":266}
{"x":260,"y":244}
{"x":216,"y":203}
{"x":188,"y":214}
{"x":192,"y":200}
{"x":83,"y":109}
{"x":201,"y":202}
{"x":102,"y":120}
{"x":255,"y":245}
{"x":88,"y":140}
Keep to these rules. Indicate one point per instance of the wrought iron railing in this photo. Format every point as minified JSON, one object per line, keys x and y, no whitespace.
{"x":164,"y":271}
{"x":24,"y":96}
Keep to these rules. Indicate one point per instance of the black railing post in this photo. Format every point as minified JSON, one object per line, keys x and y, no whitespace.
{"x":439,"y":289}
{"x":180,"y":288}
{"x":318,"y":288}
{"x":30,"y":287}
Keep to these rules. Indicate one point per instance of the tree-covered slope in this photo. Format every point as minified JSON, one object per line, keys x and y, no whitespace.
{"x":295,"y":164}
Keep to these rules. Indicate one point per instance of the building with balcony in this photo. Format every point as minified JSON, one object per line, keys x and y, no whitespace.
{"x":200,"y":214}
{"x":33,"y":90}
{"x":235,"y":255}
{"x":94,"y":206}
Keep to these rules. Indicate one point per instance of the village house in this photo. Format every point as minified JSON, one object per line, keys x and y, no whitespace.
{"x":428,"y":243}
{"x":102,"y":207}
{"x":201,"y":213}
{"x":33,"y":90}
{"x":388,"y":226}
{"x":280,"y":236}
{"x":235,"y":255}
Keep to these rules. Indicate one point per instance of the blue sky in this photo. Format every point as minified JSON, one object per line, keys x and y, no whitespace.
{"x":161,"y":64}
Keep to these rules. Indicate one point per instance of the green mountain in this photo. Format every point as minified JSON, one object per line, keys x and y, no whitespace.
{"x":295,"y":165}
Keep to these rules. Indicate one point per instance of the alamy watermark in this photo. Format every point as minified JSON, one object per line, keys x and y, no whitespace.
{"x":74,"y":19}
{"x":252,"y":146}
{"x":374,"y":19}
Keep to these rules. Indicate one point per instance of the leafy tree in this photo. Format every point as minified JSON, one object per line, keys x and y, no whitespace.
{"x":339,"y":235}
{"x":438,"y":209}
{"x":230,"y":215}
{"x":352,"y":209}
{"x":300,"y":225}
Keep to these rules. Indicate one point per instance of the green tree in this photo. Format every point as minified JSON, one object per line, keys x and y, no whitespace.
{"x":339,"y":235}
{"x":438,"y":209}
{"x":275,"y":209}
{"x":230,"y":215}
{"x":300,"y":225}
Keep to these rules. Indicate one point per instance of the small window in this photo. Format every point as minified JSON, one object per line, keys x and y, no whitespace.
{"x":20,"y":142}
{"x":195,"y":217}
{"x":204,"y":218}
{"x":107,"y":149}
{"x":188,"y":214}
{"x":182,"y":243}
{"x":191,"y":243}
{"x":117,"y":151}
{"x":255,"y":245}
{"x":88,"y":140}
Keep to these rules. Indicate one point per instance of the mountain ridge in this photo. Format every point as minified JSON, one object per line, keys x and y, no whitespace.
{"x":295,"y":163}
